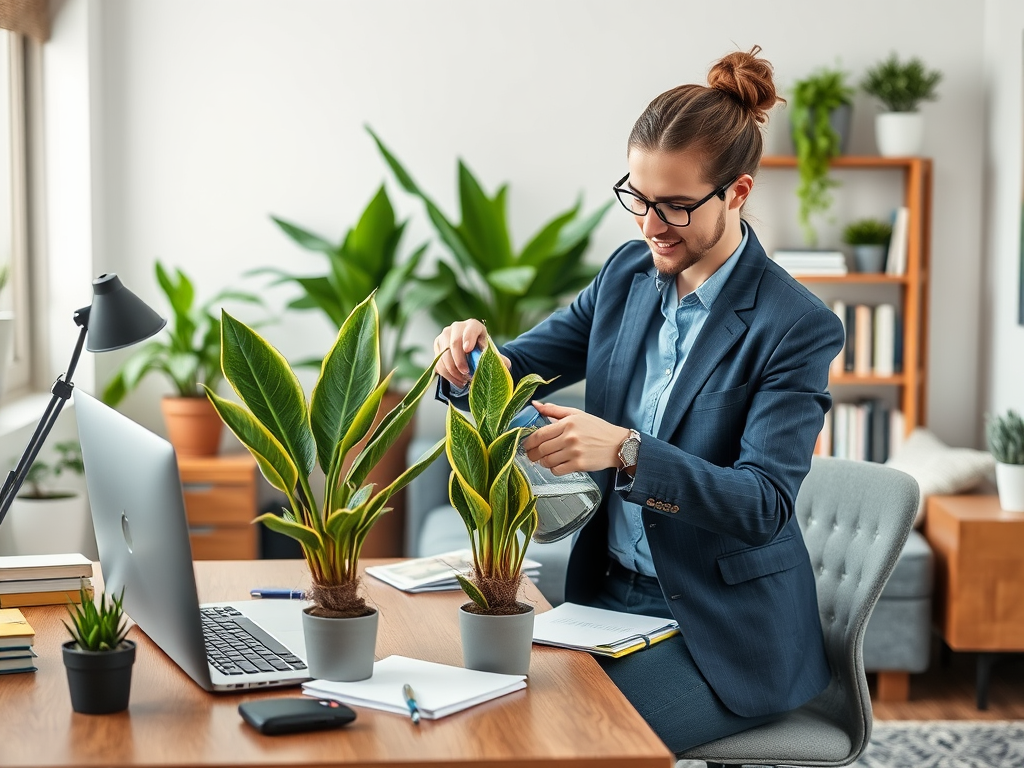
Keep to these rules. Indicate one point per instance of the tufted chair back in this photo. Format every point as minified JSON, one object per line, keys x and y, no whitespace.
{"x":855,"y":517}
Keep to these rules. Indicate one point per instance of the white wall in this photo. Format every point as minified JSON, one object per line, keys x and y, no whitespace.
{"x":1002,"y":336}
{"x":216,"y":113}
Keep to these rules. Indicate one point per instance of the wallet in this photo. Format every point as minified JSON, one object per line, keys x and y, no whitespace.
{"x":293,"y":715}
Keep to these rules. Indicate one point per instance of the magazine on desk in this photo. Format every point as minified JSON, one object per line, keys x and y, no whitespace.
{"x":435,"y":573}
{"x":596,"y":630}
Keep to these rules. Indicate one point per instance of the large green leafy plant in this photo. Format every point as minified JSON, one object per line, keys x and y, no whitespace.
{"x":816,"y":141}
{"x":288,"y":436}
{"x":901,"y":86}
{"x":491,"y":493}
{"x":365,"y":260}
{"x":188,"y":351}
{"x":509,"y":290}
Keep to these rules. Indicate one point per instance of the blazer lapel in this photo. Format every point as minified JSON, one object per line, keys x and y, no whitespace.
{"x":725,"y":326}
{"x":641,"y":305}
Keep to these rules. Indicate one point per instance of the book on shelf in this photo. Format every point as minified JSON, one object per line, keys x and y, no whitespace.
{"x":863,"y":340}
{"x":839,"y":363}
{"x":435,"y":573}
{"x":884,"y":353}
{"x":15,"y":631}
{"x":864,"y":431}
{"x":440,"y":689}
{"x":60,"y":566}
{"x":17,"y":660}
{"x":57,"y":597}
{"x":44,"y":585}
{"x":600,"y":631}
{"x":896,"y":257}
{"x":851,"y":338}
{"x":811,"y":262}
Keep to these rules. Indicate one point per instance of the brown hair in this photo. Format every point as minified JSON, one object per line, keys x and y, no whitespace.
{"x":721,"y":121}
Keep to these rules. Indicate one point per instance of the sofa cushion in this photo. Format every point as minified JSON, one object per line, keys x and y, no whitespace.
{"x":912,"y":576}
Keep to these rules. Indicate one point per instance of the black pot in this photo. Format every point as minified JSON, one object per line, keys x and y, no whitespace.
{"x":99,"y":681}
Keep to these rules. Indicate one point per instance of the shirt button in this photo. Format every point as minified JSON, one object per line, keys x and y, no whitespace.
{"x":668,"y":371}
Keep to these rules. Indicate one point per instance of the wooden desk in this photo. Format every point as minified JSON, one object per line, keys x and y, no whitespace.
{"x":979,"y":590}
{"x":570,"y":716}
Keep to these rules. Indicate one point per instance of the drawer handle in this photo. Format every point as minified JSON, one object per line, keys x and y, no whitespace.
{"x":197,"y":487}
{"x":201,"y":530}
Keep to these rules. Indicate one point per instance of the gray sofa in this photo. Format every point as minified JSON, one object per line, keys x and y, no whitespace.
{"x":896,"y":644}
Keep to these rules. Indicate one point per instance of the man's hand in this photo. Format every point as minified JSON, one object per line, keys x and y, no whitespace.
{"x":457,"y":341}
{"x":574,"y":442}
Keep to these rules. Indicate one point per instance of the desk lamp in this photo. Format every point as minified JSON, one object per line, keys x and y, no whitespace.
{"x":116,"y":318}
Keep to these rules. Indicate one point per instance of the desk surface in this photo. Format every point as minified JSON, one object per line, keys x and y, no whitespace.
{"x":570,"y":714}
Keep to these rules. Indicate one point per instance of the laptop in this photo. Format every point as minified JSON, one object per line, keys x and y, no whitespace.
{"x":138,"y":512}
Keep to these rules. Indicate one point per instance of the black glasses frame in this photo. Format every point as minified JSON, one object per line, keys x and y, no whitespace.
{"x":677,"y":208}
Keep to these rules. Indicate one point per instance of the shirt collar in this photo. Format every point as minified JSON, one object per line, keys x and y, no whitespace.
{"x":709,"y":290}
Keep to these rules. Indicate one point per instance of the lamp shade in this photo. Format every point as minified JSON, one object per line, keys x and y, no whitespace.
{"x":118,"y":318}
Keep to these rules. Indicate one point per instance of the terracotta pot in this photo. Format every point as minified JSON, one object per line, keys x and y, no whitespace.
{"x":193,"y":426}
{"x":387,"y":537}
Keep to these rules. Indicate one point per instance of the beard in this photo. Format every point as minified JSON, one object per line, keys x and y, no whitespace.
{"x":693,"y":250}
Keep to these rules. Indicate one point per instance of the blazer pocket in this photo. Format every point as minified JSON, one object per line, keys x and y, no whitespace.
{"x":710,"y":401}
{"x":747,"y":564}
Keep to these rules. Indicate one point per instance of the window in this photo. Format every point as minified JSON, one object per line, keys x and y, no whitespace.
{"x":15,"y":374}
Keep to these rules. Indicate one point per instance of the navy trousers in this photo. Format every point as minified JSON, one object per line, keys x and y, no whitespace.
{"x":663,"y":682}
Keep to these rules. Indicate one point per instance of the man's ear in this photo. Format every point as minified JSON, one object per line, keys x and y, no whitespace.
{"x":741,"y":189}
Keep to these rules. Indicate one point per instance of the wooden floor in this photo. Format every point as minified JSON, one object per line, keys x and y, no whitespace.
{"x":948,"y":692}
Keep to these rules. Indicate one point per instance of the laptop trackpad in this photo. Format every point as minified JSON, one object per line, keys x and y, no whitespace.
{"x":281,"y":618}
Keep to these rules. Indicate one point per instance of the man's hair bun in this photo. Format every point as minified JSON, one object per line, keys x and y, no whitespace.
{"x":747,"y":79}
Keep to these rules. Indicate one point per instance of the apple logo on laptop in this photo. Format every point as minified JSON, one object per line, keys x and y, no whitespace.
{"x":126,"y":531}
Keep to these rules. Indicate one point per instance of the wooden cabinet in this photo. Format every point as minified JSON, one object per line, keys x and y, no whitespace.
{"x":911,"y":383}
{"x":220,"y":502}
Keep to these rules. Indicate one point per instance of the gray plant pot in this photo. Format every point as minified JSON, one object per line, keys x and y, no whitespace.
{"x":341,"y":650}
{"x":869,"y":258}
{"x":100,"y":682}
{"x":497,"y":643}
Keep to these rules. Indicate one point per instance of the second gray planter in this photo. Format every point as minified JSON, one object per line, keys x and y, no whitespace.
{"x":497,"y":643}
{"x":341,"y":650}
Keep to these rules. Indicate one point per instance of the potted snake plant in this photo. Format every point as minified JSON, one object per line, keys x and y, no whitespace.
{"x":499,"y":509}
{"x":289,"y":435}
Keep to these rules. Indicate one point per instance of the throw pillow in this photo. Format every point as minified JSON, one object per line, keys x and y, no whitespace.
{"x":938,"y":468}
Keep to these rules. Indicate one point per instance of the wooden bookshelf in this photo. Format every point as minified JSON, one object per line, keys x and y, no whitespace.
{"x":913,"y":286}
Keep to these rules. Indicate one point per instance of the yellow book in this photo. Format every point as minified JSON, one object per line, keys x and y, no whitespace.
{"x":43,"y":598}
{"x":15,"y":631}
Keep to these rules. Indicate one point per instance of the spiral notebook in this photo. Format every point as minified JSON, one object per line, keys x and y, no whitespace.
{"x":596,"y":630}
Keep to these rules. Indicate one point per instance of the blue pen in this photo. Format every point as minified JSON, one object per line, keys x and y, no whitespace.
{"x":277,"y":594}
{"x":410,"y":702}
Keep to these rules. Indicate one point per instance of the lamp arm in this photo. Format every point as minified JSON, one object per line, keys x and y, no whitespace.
{"x":61,"y":391}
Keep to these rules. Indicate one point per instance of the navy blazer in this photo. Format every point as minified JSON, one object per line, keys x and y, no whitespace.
{"x":718,"y":482}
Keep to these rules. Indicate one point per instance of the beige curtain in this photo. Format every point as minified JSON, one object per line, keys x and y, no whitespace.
{"x":27,"y":17}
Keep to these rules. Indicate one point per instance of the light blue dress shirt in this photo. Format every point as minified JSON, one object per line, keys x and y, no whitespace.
{"x":666,"y":348}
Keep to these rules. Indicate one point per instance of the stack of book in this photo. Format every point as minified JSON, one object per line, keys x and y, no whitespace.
{"x":44,"y":579}
{"x":801,"y":263}
{"x":874,"y":340}
{"x":16,"y":638}
{"x":436,"y":573}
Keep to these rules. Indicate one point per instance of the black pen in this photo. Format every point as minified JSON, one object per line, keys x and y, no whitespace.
{"x":410,"y":702}
{"x":277,"y":594}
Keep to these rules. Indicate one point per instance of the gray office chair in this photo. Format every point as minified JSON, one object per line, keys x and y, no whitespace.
{"x":855,"y":517}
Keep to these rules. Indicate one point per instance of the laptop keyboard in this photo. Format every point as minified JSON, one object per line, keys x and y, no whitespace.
{"x":236,"y":645}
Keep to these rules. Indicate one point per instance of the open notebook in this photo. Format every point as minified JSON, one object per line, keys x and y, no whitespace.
{"x":435,"y":573}
{"x":440,"y":689}
{"x":596,"y":630}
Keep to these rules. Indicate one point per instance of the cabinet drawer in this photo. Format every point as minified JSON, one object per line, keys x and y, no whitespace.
{"x":227,"y":543}
{"x":213,"y":504}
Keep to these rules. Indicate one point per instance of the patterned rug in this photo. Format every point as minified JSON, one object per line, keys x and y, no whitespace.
{"x":939,"y":744}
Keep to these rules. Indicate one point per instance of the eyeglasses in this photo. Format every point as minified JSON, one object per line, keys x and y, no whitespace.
{"x":673,"y":214}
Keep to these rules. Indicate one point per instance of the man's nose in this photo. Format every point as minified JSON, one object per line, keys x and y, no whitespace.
{"x":653,"y":225}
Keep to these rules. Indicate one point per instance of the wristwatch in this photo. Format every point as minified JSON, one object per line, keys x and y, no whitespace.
{"x":629,"y":451}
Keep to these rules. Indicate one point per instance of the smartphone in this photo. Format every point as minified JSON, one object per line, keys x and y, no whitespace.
{"x":295,"y":714}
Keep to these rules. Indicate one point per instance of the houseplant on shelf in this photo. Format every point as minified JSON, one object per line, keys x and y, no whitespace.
{"x":188,"y":354}
{"x":488,"y":279}
{"x":820,"y":122}
{"x":98,"y":659}
{"x":48,"y":519}
{"x":901,"y":87}
{"x":497,"y":505}
{"x":1005,"y":435}
{"x":288,"y":436}
{"x":366,"y":260}
{"x":869,"y":238}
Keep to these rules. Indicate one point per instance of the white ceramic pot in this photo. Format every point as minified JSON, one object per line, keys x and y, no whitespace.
{"x":6,"y":346}
{"x":899,"y":134}
{"x":48,"y":526}
{"x":1010,"y":482}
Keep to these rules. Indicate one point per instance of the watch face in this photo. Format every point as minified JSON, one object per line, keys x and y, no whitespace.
{"x":629,"y":451}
